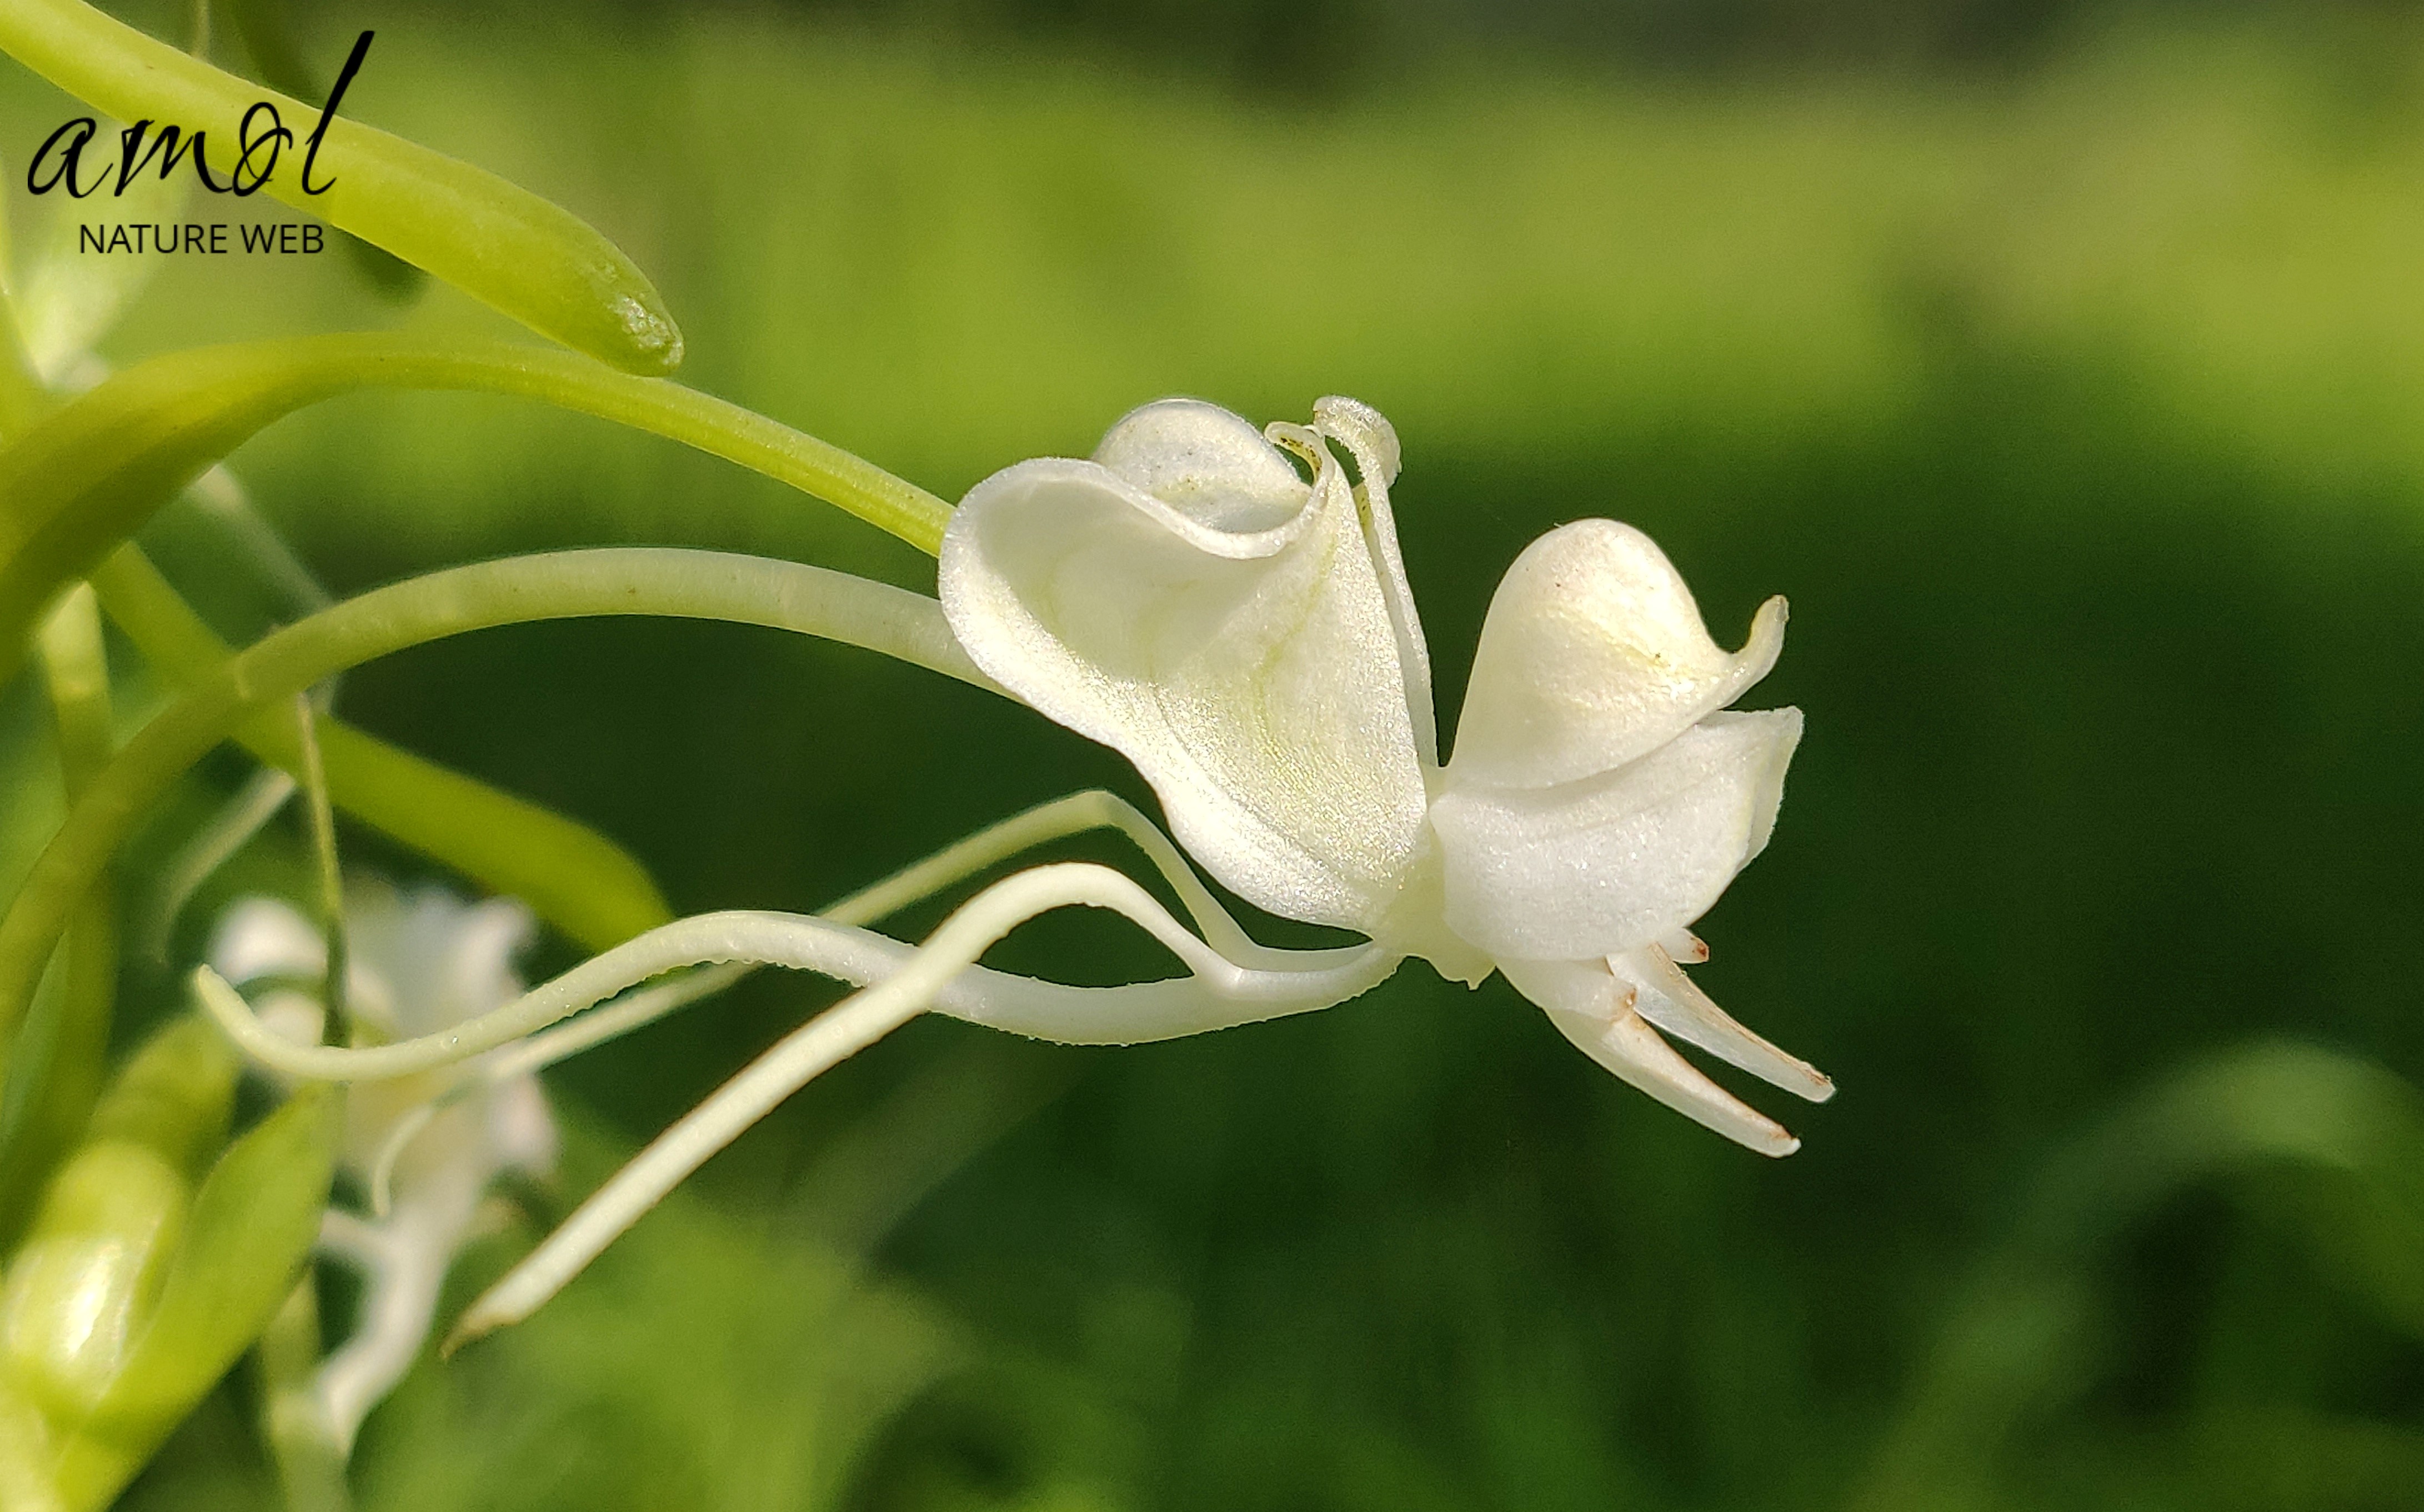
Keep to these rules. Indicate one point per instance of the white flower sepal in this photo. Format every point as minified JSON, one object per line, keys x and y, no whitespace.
{"x":1245,"y":635}
{"x":432,"y":1145}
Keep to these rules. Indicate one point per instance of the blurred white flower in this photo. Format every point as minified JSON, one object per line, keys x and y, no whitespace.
{"x":416,"y":962}
{"x":1247,"y":638}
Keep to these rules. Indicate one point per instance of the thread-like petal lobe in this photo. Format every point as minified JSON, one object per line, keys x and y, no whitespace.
{"x":1595,"y":867}
{"x":1596,"y":1011}
{"x":1594,"y":654}
{"x":1189,"y":601}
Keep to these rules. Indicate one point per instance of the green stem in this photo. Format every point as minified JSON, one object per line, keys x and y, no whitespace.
{"x":75,"y":669}
{"x":576,"y":879}
{"x":335,"y":1026}
{"x":88,"y":475}
{"x":559,"y":585}
{"x":20,"y":390}
{"x":500,"y":244}
{"x":312,"y":1468}
{"x":56,"y":1063}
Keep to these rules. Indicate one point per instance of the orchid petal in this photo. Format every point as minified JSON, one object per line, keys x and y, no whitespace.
{"x":1596,"y":867}
{"x":263,"y":937}
{"x":1672,"y":1001}
{"x":441,"y":960}
{"x":1372,"y":441}
{"x":1188,"y":600}
{"x":1594,"y":654}
{"x":1596,"y":1011}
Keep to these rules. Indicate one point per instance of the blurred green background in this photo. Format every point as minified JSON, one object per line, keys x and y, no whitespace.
{"x":2063,"y":363}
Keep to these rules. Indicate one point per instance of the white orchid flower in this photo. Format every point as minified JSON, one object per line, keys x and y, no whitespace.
{"x":1244,"y":634}
{"x":429,"y":1146}
{"x":1246,"y":637}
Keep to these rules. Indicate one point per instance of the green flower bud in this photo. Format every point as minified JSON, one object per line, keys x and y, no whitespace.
{"x":142,"y":1278}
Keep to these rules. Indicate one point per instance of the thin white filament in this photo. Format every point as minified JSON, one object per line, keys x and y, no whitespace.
{"x":1040,"y":825}
{"x":922,"y":978}
{"x":1220,"y":993}
{"x":1094,"y":809}
{"x":542,"y":1050}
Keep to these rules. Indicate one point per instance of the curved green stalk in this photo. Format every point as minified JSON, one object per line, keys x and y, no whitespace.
{"x":558,"y":585}
{"x":500,"y":244}
{"x":21,"y":387}
{"x":55,"y":1064}
{"x":87,"y":476}
{"x":576,"y":879}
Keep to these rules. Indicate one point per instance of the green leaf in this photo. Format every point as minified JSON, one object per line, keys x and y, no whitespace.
{"x":500,"y":244}
{"x":251,"y":1227}
{"x":54,"y":1068}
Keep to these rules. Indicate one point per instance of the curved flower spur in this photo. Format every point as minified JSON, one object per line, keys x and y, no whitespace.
{"x":1242,"y":631}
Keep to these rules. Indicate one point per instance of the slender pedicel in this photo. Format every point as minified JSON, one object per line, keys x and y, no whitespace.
{"x":557,"y":585}
{"x":85,"y":477}
{"x":579,"y":881}
{"x":236,"y":823}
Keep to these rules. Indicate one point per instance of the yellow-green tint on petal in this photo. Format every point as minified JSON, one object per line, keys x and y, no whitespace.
{"x":1593,"y":868}
{"x":1593,"y":654}
{"x":1189,"y":601}
{"x":500,"y":244}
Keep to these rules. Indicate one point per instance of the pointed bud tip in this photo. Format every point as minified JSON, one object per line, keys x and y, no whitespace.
{"x":469,"y":1329}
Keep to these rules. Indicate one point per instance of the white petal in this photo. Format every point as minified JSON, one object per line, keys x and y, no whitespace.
{"x":1188,"y":600}
{"x":1598,"y":867}
{"x":1372,"y":441}
{"x":1672,"y":1001}
{"x":263,"y":937}
{"x":1596,"y":1011}
{"x":1208,"y":464}
{"x":437,"y":958}
{"x":1594,"y":654}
